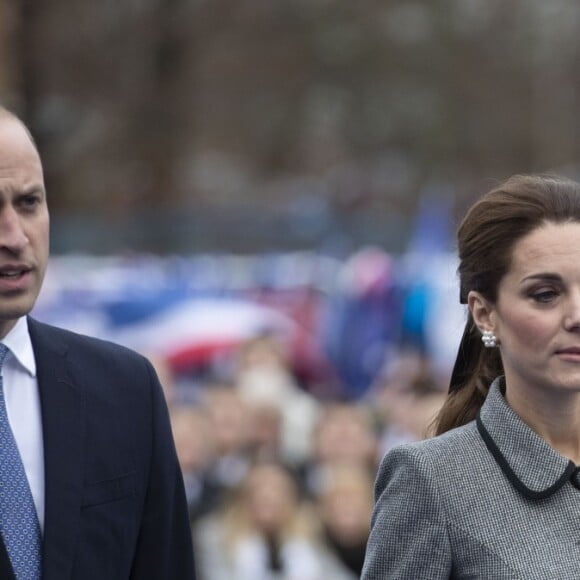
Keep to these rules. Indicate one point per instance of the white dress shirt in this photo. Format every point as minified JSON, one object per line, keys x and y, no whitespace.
{"x":23,"y":408}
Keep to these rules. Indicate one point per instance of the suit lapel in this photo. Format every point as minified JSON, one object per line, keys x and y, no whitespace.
{"x":63,"y":428}
{"x":6,"y":571}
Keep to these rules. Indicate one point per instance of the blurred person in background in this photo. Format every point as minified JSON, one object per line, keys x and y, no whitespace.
{"x":264,"y":378}
{"x":229,"y":418}
{"x":166,"y":377}
{"x":91,"y":483}
{"x":345,"y":503}
{"x":362,"y":320}
{"x":406,"y":399}
{"x":195,"y":446}
{"x":344,"y":433}
{"x":266,"y":532}
{"x":495,"y":493}
{"x":265,"y":431}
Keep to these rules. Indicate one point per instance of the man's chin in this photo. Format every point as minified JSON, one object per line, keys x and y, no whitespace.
{"x":9,"y":314}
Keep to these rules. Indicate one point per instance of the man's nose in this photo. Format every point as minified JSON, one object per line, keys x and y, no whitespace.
{"x":12,"y":236}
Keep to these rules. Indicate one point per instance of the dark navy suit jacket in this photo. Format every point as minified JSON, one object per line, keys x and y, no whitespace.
{"x":115,"y":506}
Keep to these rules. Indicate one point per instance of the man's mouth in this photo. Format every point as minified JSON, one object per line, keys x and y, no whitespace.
{"x":11,"y":274}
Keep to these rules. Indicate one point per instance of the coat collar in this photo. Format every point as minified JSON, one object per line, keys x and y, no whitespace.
{"x":63,"y":414}
{"x":533,"y":467}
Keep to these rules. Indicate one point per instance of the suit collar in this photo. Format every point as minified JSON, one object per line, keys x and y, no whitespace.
{"x":18,"y":341}
{"x":533,"y":467}
{"x":63,"y":420}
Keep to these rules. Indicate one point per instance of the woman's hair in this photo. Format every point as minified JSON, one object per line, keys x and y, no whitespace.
{"x":486,"y":238}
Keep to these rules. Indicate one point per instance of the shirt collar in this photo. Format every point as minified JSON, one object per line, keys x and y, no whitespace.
{"x":20,"y":345}
{"x":533,"y":467}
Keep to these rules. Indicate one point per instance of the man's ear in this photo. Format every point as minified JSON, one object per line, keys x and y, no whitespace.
{"x":482,"y":311}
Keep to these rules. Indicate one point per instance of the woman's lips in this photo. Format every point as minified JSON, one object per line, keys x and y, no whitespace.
{"x":570,"y":354}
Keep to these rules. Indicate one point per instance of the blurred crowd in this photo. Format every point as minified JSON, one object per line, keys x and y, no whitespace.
{"x":287,"y":378}
{"x":280,"y":482}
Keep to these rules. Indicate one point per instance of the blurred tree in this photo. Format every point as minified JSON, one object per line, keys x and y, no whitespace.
{"x":151,"y":112}
{"x":9,"y":51}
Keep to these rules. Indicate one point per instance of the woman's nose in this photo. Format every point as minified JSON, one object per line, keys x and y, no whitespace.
{"x":572,"y":318}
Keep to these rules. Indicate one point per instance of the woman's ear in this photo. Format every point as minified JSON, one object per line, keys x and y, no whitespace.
{"x":481,"y":311}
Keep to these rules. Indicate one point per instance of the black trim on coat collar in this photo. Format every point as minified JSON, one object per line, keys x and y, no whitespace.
{"x":510,"y":474}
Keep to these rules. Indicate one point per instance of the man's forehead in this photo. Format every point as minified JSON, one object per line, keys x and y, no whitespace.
{"x":14,"y":131}
{"x":7,"y":118}
{"x":4,"y":112}
{"x":20,"y":165}
{"x":8,"y":121}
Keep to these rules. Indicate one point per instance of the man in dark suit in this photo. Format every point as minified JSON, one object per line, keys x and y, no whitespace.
{"x":88,"y":418}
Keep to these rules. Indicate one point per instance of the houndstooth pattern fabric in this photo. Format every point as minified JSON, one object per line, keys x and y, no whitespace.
{"x":487,"y":501}
{"x":19,"y":524}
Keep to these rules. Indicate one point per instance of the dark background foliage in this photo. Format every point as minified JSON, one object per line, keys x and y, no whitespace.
{"x":194,"y":125}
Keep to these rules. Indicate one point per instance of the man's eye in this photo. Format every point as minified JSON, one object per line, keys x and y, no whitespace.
{"x":30,"y":201}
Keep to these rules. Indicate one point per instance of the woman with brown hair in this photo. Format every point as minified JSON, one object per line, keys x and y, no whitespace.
{"x":496,"y":494}
{"x":266,"y":532}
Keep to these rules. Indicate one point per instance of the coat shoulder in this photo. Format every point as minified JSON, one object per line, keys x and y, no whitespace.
{"x":441,"y":446}
{"x":439,"y":460}
{"x":44,"y":335}
{"x":92,"y":361}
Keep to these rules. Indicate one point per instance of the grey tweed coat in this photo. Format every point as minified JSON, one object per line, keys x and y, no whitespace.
{"x":488,"y":500}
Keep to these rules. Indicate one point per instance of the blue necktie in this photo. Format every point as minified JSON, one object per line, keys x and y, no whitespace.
{"x":18,"y":518}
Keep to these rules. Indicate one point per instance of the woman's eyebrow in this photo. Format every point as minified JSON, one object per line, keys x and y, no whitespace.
{"x":548,"y":276}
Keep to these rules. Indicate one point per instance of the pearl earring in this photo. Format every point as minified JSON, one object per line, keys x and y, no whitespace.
{"x":489,"y":339}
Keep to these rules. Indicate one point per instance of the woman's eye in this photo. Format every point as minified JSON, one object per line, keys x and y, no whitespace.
{"x":544,"y":295}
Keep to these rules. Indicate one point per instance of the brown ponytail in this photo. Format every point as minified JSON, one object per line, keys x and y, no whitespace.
{"x":475,"y":369}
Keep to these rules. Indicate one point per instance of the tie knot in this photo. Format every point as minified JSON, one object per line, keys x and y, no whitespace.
{"x":4,"y":350}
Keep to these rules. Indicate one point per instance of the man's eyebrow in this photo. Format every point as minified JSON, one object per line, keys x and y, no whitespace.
{"x":32,"y":190}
